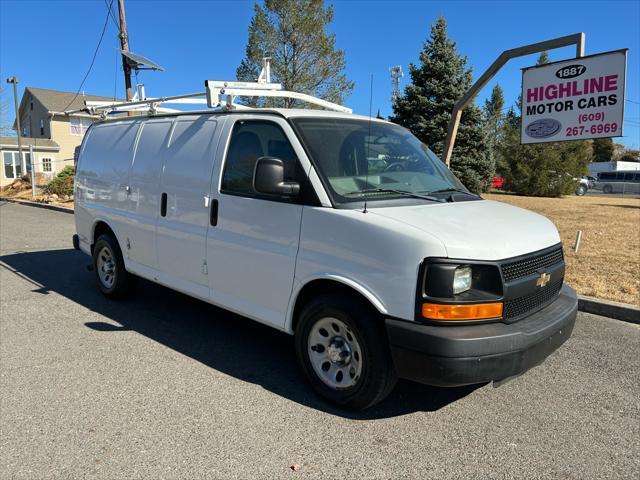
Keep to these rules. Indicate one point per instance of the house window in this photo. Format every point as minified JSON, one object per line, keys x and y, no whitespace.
{"x":27,"y":161}
{"x":79,"y":125}
{"x":46,"y":164}
{"x":12,"y":166}
{"x":8,"y":165}
{"x":31,"y":105}
{"x":41,"y":126}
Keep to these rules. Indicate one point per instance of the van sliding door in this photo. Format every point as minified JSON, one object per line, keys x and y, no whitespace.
{"x":144,"y":197}
{"x":183,"y":209}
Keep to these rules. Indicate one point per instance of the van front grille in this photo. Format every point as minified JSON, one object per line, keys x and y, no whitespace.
{"x":527,"y":303}
{"x":530,"y":265}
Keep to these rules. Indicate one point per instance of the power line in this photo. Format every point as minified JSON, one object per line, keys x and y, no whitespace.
{"x":95,"y":53}
{"x":632,"y":101}
{"x":113,"y":16}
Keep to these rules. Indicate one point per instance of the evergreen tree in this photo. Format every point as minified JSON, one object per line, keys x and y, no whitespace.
{"x":425,"y":108}
{"x":493,"y":118}
{"x":303,"y":55}
{"x":543,"y":58}
{"x":602,"y":149}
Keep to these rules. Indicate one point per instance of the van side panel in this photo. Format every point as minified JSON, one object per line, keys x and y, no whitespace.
{"x":144,"y":199}
{"x":103,"y":176}
{"x":186,"y":181}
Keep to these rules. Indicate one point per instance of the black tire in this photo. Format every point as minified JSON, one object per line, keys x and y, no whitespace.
{"x":607,"y":189}
{"x":581,"y":190}
{"x":377,"y":375}
{"x":121,"y":279}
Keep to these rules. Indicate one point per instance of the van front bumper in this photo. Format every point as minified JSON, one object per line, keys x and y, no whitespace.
{"x":451,"y":356}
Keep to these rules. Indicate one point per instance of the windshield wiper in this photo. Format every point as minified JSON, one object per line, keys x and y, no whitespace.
{"x":453,"y":190}
{"x":398,"y":192}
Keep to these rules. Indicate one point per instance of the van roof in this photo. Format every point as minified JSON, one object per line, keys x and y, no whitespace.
{"x":283,"y":112}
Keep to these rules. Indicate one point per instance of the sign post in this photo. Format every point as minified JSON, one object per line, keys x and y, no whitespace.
{"x":574,"y":99}
{"x":33,"y":172}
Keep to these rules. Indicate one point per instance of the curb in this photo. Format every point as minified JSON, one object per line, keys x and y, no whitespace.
{"x":37,"y":204}
{"x":607,"y":308}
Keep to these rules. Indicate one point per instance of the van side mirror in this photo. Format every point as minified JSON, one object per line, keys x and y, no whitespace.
{"x":268,"y":177}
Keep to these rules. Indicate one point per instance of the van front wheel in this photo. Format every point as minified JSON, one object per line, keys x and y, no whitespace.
{"x":343,"y":351}
{"x":108,"y":265}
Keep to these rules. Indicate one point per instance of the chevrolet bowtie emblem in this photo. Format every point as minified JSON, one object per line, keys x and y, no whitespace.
{"x":543,"y":279}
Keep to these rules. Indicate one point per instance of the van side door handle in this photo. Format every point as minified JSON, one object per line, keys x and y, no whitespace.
{"x":213,"y":212}
{"x":163,"y":205}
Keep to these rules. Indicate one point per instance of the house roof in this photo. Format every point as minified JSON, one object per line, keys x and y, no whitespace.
{"x":37,"y":143}
{"x":57,"y":101}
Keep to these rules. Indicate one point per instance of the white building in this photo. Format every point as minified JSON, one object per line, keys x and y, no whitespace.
{"x":612,"y":166}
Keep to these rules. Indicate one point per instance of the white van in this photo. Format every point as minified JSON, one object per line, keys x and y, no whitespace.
{"x":341,"y":230}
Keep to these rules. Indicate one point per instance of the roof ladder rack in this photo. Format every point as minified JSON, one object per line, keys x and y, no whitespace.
{"x":219,"y":94}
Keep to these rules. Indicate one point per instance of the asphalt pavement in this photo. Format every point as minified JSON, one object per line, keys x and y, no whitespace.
{"x":164,"y":386}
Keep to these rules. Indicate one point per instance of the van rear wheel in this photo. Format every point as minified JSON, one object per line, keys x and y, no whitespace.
{"x":108,"y":265}
{"x":343,"y":351}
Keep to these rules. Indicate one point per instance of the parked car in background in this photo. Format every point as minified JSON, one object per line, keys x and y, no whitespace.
{"x":586,"y":184}
{"x":619,"y":182}
{"x":593,"y":181}
{"x":497,"y":182}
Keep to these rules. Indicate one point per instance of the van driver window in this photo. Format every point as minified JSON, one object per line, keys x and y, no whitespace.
{"x":251,"y":140}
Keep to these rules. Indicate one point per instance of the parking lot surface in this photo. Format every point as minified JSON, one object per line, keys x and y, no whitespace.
{"x":164,"y":386}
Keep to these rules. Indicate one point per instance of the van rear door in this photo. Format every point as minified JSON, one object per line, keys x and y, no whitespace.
{"x":183,"y":207}
{"x":103,"y":177}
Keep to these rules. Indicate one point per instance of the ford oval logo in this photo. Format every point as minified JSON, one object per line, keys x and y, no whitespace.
{"x":571,"y":71}
{"x":543,"y":128}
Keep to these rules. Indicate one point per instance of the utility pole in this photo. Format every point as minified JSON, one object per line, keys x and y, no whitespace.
{"x":124,"y":45}
{"x":14,"y":80}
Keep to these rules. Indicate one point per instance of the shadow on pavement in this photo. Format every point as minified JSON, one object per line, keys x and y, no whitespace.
{"x":618,"y":206}
{"x":219,"y":339}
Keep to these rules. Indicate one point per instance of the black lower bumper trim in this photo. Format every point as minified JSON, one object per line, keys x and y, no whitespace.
{"x":464,"y":355}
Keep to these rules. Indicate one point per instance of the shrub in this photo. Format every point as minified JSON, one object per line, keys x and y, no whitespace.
{"x":543,"y":169}
{"x":62,"y":184}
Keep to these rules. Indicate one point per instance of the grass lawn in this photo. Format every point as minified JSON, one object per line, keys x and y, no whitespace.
{"x":608,"y":262}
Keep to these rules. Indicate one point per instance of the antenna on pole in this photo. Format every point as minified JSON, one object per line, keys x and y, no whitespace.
{"x":396,"y":74}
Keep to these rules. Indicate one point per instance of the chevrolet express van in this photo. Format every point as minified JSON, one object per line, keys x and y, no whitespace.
{"x":344,"y":231}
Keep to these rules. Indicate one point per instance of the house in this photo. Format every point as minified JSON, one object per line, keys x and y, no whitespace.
{"x":53,"y":134}
{"x":45,"y":151}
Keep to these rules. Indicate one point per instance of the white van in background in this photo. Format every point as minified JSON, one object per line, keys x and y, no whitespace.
{"x":344,"y":231}
{"x":619,"y":182}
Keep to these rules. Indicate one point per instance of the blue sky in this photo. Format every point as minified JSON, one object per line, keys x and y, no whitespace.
{"x":49,"y":44}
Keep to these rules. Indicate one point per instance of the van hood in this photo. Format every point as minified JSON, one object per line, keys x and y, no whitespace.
{"x":478,"y":230}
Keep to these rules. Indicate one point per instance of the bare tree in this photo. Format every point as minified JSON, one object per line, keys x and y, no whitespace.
{"x":5,"y":119}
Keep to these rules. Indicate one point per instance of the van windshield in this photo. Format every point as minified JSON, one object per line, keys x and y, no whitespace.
{"x":378,"y":161}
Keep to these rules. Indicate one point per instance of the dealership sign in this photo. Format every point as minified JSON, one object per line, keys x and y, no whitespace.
{"x":574,"y":99}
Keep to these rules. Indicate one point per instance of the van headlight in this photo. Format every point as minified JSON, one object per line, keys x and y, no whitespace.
{"x":461,"y":279}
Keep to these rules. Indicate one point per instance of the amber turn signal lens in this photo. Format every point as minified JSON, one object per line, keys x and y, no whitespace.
{"x":477,"y":311}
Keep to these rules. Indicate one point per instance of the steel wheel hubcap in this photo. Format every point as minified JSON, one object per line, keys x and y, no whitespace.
{"x":335,"y":354}
{"x":106,"y":267}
